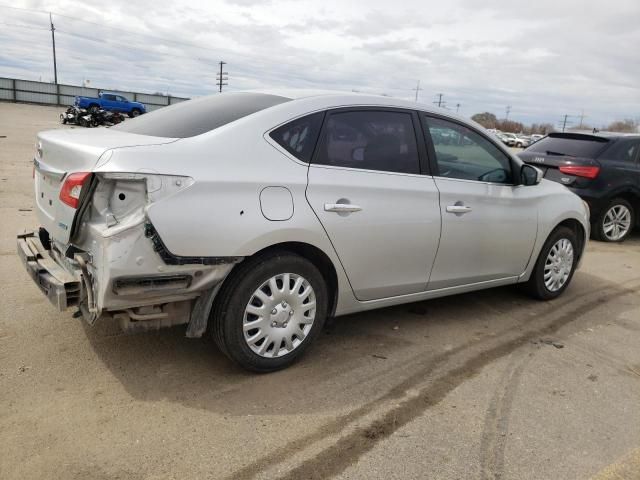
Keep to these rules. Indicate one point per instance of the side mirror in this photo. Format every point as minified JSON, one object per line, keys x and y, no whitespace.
{"x":530,"y":175}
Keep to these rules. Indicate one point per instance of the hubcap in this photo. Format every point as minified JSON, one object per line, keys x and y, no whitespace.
{"x":558,"y":265}
{"x":616,"y":222}
{"x":279,"y":315}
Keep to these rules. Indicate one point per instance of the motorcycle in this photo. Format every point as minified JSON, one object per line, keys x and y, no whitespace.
{"x":72,"y":115}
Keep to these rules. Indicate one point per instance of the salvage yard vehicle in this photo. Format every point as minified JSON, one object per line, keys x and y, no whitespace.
{"x":257,"y":215}
{"x":112,"y":103}
{"x":72,"y":114}
{"x":602,"y":168}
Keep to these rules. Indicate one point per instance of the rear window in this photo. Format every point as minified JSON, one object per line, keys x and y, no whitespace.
{"x":571,"y":145}
{"x":194,"y":117}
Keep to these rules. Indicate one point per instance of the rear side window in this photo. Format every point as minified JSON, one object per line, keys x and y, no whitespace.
{"x":299,"y":137}
{"x":623,"y":151}
{"x":571,"y":145}
{"x":194,"y":117}
{"x":371,"y":140}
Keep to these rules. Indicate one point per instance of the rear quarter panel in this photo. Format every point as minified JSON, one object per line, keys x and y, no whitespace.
{"x":220,"y":214}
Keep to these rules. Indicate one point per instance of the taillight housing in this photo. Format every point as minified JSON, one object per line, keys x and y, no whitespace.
{"x":586,"y":171}
{"x":72,"y":188}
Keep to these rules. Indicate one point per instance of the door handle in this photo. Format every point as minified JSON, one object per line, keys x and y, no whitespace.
{"x":458,"y":209}
{"x":341,"y":207}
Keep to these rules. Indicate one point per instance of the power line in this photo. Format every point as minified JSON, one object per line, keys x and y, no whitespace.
{"x":155,"y":37}
{"x":30,"y":27}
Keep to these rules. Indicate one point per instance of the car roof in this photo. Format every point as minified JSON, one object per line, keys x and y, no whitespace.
{"x":347,"y":99}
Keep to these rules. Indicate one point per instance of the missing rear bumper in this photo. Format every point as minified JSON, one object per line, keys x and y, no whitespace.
{"x":61,"y":288}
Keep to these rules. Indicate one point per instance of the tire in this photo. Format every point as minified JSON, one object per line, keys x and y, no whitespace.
{"x":621,"y":226}
{"x":93,"y":108}
{"x":63,"y":119}
{"x":134,"y":113}
{"x":536,"y":286}
{"x":228,"y":316}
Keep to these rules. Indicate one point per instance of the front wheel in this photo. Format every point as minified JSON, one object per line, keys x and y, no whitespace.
{"x":134,"y":113}
{"x":555,"y":266}
{"x":616,"y":221}
{"x":269,"y":311}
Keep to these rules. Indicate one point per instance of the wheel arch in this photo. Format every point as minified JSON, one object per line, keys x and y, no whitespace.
{"x":631,"y":196}
{"x":318,"y":258}
{"x":577,"y":227}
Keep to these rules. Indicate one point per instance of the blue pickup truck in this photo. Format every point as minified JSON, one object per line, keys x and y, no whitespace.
{"x":112,"y":103}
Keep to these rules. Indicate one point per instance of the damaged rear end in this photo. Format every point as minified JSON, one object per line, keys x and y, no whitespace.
{"x":96,"y":249}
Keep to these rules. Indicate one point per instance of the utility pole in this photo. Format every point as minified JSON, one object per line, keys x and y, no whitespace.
{"x":439,"y":101}
{"x":581,"y":118}
{"x":508,"y":110}
{"x":221,"y":77}
{"x":53,"y":41}
{"x":564,"y":122}
{"x":417,"y":89}
{"x":457,"y":107}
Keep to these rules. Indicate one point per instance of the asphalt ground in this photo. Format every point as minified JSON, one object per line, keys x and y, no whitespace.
{"x":487,"y":385}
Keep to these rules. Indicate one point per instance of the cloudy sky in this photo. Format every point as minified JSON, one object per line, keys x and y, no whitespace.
{"x":543,"y":58}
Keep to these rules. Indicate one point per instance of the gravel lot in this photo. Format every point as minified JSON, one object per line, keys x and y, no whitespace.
{"x":479,"y":386}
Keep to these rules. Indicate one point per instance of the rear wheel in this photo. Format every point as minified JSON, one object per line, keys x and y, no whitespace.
{"x":134,"y":113}
{"x":616,"y":221}
{"x":93,"y":108}
{"x":555,"y":265}
{"x":269,"y":311}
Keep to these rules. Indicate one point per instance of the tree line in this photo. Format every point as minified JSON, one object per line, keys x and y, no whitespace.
{"x":489,"y":120}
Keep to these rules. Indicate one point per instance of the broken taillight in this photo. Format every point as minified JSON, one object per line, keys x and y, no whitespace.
{"x":72,"y":187}
{"x":581,"y":171}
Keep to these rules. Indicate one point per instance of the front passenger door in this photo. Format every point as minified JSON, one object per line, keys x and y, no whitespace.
{"x":489,"y":223}
{"x":379,"y":210}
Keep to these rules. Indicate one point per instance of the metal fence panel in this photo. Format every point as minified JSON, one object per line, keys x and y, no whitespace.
{"x":32,"y":97}
{"x":74,"y":91}
{"x":153,"y":99}
{"x":29,"y":91}
{"x":37,"y":87}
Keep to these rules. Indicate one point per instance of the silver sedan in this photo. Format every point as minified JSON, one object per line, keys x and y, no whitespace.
{"x":255,"y":216}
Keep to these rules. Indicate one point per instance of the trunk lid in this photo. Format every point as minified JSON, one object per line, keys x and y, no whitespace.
{"x":565,"y":150}
{"x":65,"y":151}
{"x":550,"y":165}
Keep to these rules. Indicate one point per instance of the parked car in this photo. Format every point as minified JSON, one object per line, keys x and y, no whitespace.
{"x":535,"y":137}
{"x":509,"y":139}
{"x":112,"y":103}
{"x":522,"y":141}
{"x":603,"y":169}
{"x":258,"y":215}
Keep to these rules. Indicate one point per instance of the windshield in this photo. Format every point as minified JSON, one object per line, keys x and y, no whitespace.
{"x":194,"y":117}
{"x":571,"y":145}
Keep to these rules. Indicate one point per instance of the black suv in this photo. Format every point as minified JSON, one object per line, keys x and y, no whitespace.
{"x":602,"y":168}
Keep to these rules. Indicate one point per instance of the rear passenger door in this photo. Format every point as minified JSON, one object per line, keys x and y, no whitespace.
{"x":489,"y":222}
{"x":621,"y":163}
{"x":369,"y":191}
